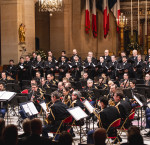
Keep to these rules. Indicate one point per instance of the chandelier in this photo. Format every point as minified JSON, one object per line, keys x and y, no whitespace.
{"x":50,"y":5}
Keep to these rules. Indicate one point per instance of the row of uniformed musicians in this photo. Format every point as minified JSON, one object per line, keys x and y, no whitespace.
{"x":109,"y":65}
{"x":64,"y":97}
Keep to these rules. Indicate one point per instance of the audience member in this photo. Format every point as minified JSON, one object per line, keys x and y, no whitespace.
{"x":10,"y":135}
{"x":99,"y":136}
{"x":134,"y":137}
{"x":26,"y":125}
{"x":65,"y":138}
{"x":35,"y":138}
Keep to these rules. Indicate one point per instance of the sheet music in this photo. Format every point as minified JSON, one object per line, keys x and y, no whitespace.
{"x":7,"y":95}
{"x":26,"y":109}
{"x":44,"y":107}
{"x":32,"y":108}
{"x":1,"y":93}
{"x":88,"y":106}
{"x":139,"y":102}
{"x":77,"y":113}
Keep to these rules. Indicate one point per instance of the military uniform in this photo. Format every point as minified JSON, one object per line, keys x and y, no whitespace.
{"x":58,"y":112}
{"x":38,"y":98}
{"x":52,"y":83}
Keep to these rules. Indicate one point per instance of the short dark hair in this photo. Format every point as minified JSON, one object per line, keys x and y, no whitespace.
{"x":10,"y":135}
{"x":36,"y":125}
{"x":104,"y":100}
{"x":133,"y":81}
{"x":56,"y":94}
{"x":11,"y":60}
{"x":63,"y":51}
{"x":26,"y":125}
{"x":34,"y":52}
{"x":99,"y":136}
{"x":67,"y":89}
{"x":65,"y":138}
{"x":135,"y":139}
{"x":21,"y":57}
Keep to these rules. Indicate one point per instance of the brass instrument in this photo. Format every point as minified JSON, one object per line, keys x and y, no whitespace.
{"x":72,"y":104}
{"x":117,"y":106}
{"x":66,"y":100}
{"x":111,"y":102}
{"x":48,"y":109}
{"x":96,"y":112}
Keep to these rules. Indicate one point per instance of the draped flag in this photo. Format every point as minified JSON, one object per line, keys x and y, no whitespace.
{"x":87,"y":17}
{"x":105,"y":17}
{"x":116,"y":11}
{"x":94,"y":23}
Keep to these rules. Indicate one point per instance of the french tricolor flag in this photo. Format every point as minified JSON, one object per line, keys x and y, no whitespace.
{"x":116,"y":11}
{"x":94,"y":22}
{"x":87,"y":17}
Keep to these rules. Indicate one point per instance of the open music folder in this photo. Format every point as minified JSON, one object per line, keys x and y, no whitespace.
{"x":77,"y":113}
{"x":29,"y":108}
{"x":88,"y":106}
{"x":6,"y":96}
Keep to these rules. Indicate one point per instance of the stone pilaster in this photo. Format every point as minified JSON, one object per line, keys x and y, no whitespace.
{"x":13,"y":13}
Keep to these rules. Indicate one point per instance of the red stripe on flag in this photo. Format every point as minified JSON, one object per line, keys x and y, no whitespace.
{"x":118,"y":14}
{"x":87,"y":21}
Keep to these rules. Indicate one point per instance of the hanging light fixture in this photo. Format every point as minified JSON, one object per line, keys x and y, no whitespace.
{"x":50,"y":6}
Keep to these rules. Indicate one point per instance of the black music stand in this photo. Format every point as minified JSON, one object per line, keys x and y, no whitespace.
{"x":142,"y":101}
{"x":6,"y":96}
{"x":74,"y":112}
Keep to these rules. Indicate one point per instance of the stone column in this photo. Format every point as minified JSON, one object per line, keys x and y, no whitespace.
{"x":68,"y":23}
{"x":13,"y":13}
{"x":29,"y":21}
